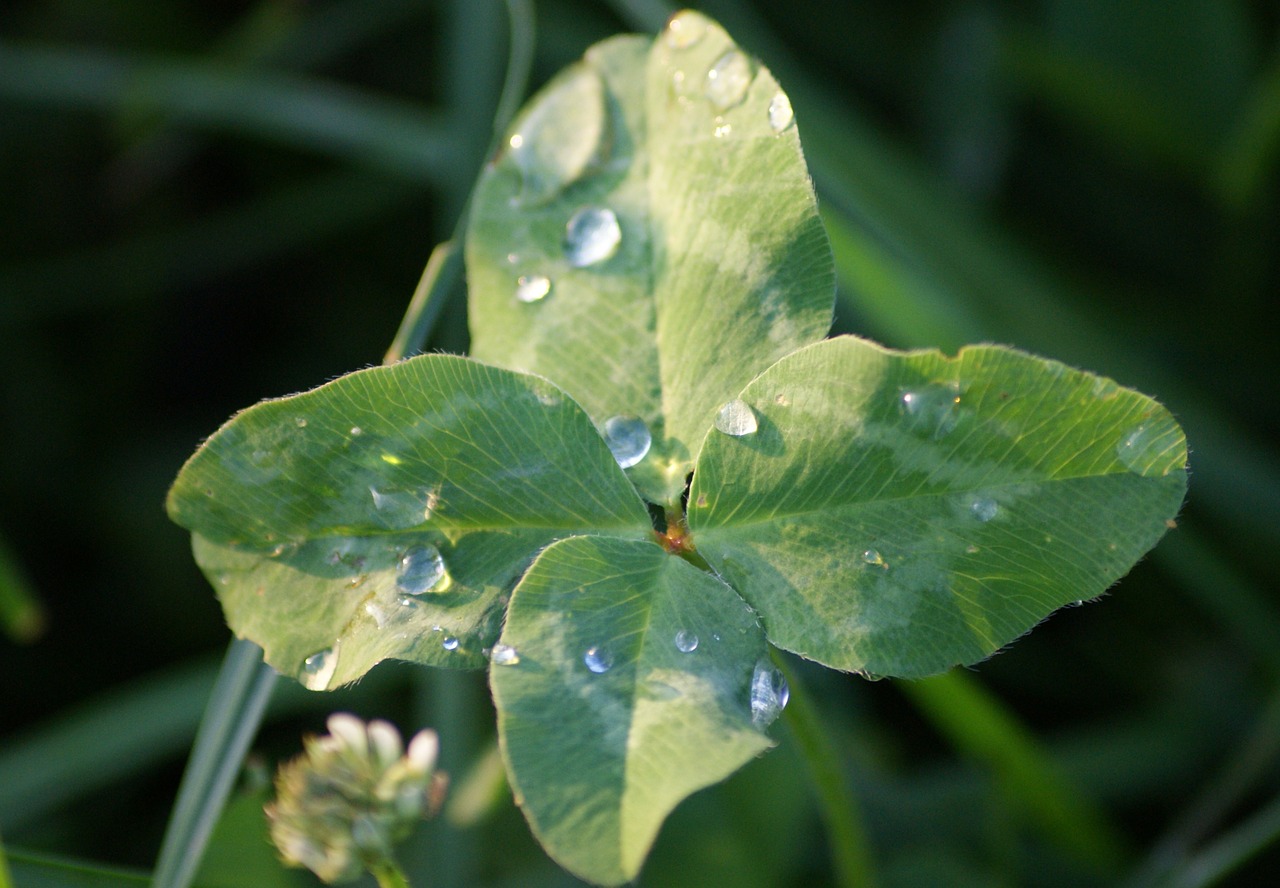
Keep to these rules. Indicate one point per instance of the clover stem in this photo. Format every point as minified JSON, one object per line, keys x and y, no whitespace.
{"x":389,"y":875}
{"x":850,"y":851}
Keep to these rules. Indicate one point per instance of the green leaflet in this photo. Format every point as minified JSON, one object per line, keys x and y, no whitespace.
{"x":649,"y":238}
{"x":632,"y":690}
{"x":390,"y":512}
{"x":898,"y":514}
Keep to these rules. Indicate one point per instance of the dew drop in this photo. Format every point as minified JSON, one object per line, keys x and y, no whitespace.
{"x":300,"y":422}
{"x":1143,"y":450}
{"x":403,"y":509}
{"x":984,"y":508}
{"x":781,"y":115}
{"x":420,"y":570}
{"x":684,"y":30}
{"x":591,"y":236}
{"x":598,"y":659}
{"x":686,"y":641}
{"x":531,"y":288}
{"x":318,"y":669}
{"x":449,"y":643}
{"x":875,"y":559}
{"x":628,"y":439}
{"x":737,"y":418}
{"x":722,"y":130}
{"x":378,"y":615}
{"x":560,"y":136}
{"x":504,"y":655}
{"x":729,"y":79}
{"x":932,"y":410}
{"x":356,"y":431}
{"x":769,"y":694}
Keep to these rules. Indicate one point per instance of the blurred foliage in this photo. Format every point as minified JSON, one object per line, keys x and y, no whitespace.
{"x":205,"y":204}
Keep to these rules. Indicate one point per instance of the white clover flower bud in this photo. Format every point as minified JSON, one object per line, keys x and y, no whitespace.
{"x":353,"y":794}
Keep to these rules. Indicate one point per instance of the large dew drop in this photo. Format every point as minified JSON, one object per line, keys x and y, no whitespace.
{"x":769,"y":694}
{"x":533,"y":287}
{"x":421,"y":570}
{"x":628,"y":439}
{"x":737,"y":418}
{"x":984,"y":508}
{"x":686,"y":641}
{"x":591,"y":236}
{"x":318,"y":669}
{"x":560,"y":136}
{"x":598,"y":659}
{"x":729,"y":79}
{"x":1145,"y":449}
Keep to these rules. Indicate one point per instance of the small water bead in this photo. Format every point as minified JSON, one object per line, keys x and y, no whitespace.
{"x":591,"y":236}
{"x":628,"y":438}
{"x":875,"y":559}
{"x":1145,"y":449}
{"x":729,"y":79}
{"x":356,"y":431}
{"x":420,"y":570}
{"x":598,"y":659}
{"x":318,"y":669}
{"x":781,"y":114}
{"x":722,"y":130}
{"x":684,"y":30}
{"x":769,"y":694}
{"x":686,"y":641}
{"x":300,"y":422}
{"x":984,"y":508}
{"x":932,"y":410}
{"x":533,"y":287}
{"x":449,"y":643}
{"x":504,"y":655}
{"x":736,"y":418}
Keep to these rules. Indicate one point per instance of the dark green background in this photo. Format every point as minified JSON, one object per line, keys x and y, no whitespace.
{"x":206,"y":204}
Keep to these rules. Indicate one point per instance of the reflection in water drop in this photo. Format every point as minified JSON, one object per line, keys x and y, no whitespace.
{"x":450,"y":643}
{"x":598,"y":659}
{"x":318,"y":669}
{"x":628,"y":439}
{"x":769,"y":693}
{"x":736,"y":418}
{"x":591,"y":236}
{"x":421,"y":570}
{"x":729,"y":79}
{"x":531,"y":288}
{"x":686,"y":641}
{"x":781,"y":115}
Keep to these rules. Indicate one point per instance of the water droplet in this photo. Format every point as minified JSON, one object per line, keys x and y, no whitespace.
{"x":403,"y":509}
{"x":875,"y":559}
{"x":504,"y":655}
{"x":421,"y":570}
{"x":560,"y":136}
{"x":932,"y":410}
{"x":591,"y":237}
{"x":722,"y":130}
{"x":375,"y":611}
{"x":531,"y":288}
{"x":684,"y":30}
{"x":300,"y":422}
{"x":769,"y":694}
{"x":781,"y":115}
{"x":628,"y":439}
{"x":356,"y":431}
{"x":1144,"y":449}
{"x":984,"y":508}
{"x":318,"y":669}
{"x":729,"y":79}
{"x":449,"y":643}
{"x":737,"y":418}
{"x":686,"y":641}
{"x":598,"y":659}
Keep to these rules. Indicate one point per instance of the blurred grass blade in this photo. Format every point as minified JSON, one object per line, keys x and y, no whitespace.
{"x":850,"y":848}
{"x":21,"y":613}
{"x":6,"y":881}
{"x":110,"y":739}
{"x":444,"y":267}
{"x":230,"y":722}
{"x":977,"y":723}
{"x":1232,"y":850}
{"x":301,"y":112}
{"x":33,"y":870}
{"x":522,"y":29}
{"x":1251,"y":150}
